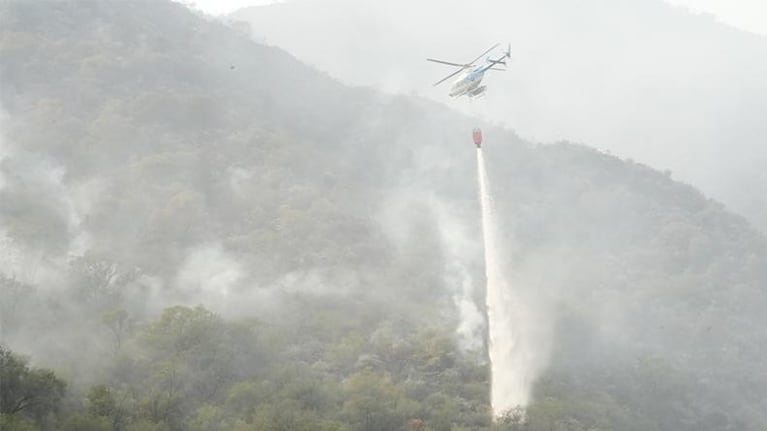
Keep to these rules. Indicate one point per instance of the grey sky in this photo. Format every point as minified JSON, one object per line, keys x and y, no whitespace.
{"x":749,"y":15}
{"x":220,"y":7}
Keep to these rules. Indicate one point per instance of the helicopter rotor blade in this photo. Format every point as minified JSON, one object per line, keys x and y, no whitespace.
{"x":446,"y":62}
{"x":448,"y":76}
{"x":483,"y":54}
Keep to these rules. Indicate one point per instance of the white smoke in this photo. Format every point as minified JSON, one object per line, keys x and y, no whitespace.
{"x":4,"y":152}
{"x":459,"y":248}
{"x":8,"y":253}
{"x":396,"y":216}
{"x":80,"y":200}
{"x":239,"y":181}
{"x":472,"y":322}
{"x":209,"y":275}
{"x":15,"y":261}
{"x":73,"y":201}
{"x":39,"y":179}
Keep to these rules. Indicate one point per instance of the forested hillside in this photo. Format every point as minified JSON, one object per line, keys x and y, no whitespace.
{"x":201,"y":232}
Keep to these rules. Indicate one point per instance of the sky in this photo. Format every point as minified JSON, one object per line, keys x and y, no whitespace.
{"x":220,"y":7}
{"x":750,"y":15}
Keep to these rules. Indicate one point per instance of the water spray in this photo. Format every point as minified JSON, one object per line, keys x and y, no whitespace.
{"x":509,"y":364}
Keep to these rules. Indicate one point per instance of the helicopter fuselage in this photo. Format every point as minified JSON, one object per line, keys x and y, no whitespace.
{"x":468,"y":83}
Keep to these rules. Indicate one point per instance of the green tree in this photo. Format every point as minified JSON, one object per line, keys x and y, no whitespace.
{"x":25,"y":391}
{"x":189,"y":359}
{"x":118,"y":322}
{"x":375,"y":403}
{"x":15,"y":423}
{"x":104,"y":402}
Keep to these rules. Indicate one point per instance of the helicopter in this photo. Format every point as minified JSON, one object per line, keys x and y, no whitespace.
{"x":471,"y":74}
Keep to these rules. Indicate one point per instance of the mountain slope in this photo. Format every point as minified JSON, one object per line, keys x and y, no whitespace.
{"x":154,"y":157}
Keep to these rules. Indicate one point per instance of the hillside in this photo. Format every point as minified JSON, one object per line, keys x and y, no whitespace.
{"x":641,"y":79}
{"x":153,"y":159}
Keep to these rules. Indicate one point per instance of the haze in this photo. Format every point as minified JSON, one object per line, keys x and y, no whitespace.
{"x":675,"y":90}
{"x":749,"y":15}
{"x":271,"y":220}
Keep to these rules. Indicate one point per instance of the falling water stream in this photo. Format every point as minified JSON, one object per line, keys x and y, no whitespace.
{"x":509,"y":363}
